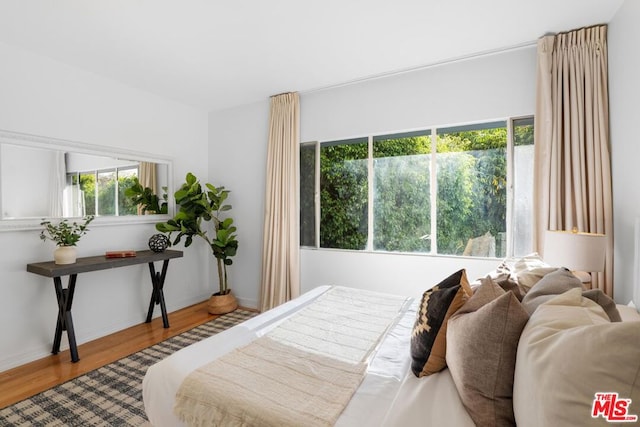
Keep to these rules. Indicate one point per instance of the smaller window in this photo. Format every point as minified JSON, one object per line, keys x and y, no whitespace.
{"x":344,"y":194}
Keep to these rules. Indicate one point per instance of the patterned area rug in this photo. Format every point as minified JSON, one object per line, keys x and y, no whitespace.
{"x":111,"y":395}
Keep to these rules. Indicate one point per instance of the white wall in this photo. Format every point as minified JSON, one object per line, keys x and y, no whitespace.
{"x":237,"y":159}
{"x":44,"y":97}
{"x":624,"y":85}
{"x":482,"y":89}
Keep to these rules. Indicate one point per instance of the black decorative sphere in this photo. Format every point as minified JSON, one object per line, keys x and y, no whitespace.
{"x":158,"y":242}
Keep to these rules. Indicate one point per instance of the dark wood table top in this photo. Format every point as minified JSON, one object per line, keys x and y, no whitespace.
{"x":100,"y":262}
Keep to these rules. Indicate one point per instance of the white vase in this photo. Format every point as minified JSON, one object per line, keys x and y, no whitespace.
{"x":64,"y":255}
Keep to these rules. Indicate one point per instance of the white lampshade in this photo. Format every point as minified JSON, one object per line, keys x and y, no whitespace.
{"x":575,"y":250}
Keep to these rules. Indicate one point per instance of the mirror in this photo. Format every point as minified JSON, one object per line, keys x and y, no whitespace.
{"x":51,"y":178}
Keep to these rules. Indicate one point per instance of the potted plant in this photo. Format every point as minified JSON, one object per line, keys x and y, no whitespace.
{"x":66,"y":235}
{"x":197,"y":204}
{"x":144,"y":197}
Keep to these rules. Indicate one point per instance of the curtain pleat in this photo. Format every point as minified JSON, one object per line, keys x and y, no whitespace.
{"x":281,"y":247}
{"x":572,"y":152}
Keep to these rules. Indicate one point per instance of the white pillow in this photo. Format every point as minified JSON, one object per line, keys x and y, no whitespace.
{"x":568,"y":352}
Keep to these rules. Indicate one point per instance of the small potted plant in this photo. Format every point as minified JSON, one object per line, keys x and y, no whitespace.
{"x":195,"y":205}
{"x":66,"y":235}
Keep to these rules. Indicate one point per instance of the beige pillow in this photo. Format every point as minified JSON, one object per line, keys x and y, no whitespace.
{"x":482,"y":338}
{"x":548,"y":287}
{"x":568,"y":352}
{"x":527,"y":278}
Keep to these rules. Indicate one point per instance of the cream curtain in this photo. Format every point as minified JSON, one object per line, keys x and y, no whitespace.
{"x":281,"y":247}
{"x":57,"y":185}
{"x":572,"y":162}
{"x":148,"y":176}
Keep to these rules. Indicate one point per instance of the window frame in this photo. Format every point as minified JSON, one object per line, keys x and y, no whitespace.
{"x":432,"y":131}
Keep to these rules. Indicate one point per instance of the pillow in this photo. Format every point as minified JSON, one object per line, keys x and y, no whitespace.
{"x":568,"y":352}
{"x":428,"y":338}
{"x":482,"y":339}
{"x":527,"y":278}
{"x":628,"y":313}
{"x":550,"y":286}
{"x":502,"y":276}
{"x":604,"y":301}
{"x":528,"y":262}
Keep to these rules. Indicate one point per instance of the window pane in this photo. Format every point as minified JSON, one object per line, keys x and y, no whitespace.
{"x":401,"y":200}
{"x":88,"y":188}
{"x":107,"y":193}
{"x":522,"y":186}
{"x":126,"y":180}
{"x":472,"y":197}
{"x":307,"y":194}
{"x":343,"y":194}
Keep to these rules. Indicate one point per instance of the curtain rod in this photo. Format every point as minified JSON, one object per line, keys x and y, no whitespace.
{"x":422,"y":67}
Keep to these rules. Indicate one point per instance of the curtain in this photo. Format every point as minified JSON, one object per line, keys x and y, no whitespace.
{"x":148,"y":178}
{"x":57,"y":185}
{"x":572,"y":181}
{"x":281,"y":240}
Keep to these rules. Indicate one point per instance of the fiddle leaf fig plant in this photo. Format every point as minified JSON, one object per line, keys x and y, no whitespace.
{"x":197,"y":205}
{"x":148,"y":201}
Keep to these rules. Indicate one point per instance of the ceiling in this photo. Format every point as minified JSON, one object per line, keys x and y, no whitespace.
{"x":215,"y":54}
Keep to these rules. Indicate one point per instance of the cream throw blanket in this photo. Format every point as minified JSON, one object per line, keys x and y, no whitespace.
{"x":302,"y":373}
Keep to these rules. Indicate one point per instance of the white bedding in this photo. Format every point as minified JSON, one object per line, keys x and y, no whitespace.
{"x":390,"y":394}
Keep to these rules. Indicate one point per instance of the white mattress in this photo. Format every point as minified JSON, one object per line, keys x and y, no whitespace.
{"x":390,"y":394}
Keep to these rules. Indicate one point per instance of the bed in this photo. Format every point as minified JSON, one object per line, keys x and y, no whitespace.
{"x":390,"y":394}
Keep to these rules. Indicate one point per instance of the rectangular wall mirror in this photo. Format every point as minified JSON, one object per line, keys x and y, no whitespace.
{"x":43,"y":177}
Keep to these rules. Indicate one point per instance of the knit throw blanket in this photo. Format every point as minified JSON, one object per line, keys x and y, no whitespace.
{"x":303,"y":372}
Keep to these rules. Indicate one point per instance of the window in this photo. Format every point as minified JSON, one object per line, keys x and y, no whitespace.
{"x":463,"y":190}
{"x":101,"y":192}
{"x":344,"y":194}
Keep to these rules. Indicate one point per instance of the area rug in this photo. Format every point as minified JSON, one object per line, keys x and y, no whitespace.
{"x":110,"y":395}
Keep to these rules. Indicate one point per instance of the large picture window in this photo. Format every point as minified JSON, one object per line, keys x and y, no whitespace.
{"x":462,"y":190}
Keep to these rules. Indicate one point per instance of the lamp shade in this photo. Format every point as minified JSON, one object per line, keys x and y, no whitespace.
{"x":575,"y":250}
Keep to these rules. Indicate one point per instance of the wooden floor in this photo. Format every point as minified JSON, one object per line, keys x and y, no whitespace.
{"x":27,"y":380}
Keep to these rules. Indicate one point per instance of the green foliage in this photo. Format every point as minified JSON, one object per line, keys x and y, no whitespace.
{"x":63,"y":233}
{"x":402,"y":212}
{"x":343,"y":196}
{"x":196,"y":205}
{"x":471,"y":191}
{"x":146,"y":198}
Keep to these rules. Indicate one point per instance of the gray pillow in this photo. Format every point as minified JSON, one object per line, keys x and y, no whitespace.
{"x":552,"y":284}
{"x":605,"y":302}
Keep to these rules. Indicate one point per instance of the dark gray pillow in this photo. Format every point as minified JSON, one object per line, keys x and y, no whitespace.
{"x":605,"y":302}
{"x":552,"y":284}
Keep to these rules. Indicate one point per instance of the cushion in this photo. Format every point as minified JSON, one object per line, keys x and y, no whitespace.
{"x":527,"y":278}
{"x":568,"y":352}
{"x":528,"y":262}
{"x":550,"y":286}
{"x":628,"y":313}
{"x":428,"y":338}
{"x":482,"y":339}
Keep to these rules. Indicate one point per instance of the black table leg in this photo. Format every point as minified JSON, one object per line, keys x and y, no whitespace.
{"x":65,"y":321}
{"x":157,"y":296}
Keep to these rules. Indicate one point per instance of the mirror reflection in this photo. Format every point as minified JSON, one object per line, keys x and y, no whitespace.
{"x":38,"y":182}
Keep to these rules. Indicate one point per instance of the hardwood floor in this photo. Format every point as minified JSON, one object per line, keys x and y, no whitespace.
{"x":27,"y":380}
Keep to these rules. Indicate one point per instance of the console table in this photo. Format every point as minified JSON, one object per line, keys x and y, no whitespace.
{"x":95,"y":263}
